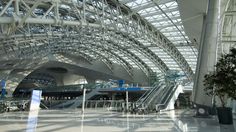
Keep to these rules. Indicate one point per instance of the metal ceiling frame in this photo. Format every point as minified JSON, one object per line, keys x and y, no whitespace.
{"x":24,"y":17}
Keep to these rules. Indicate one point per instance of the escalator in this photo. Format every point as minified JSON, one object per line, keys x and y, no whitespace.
{"x":158,"y":97}
{"x":148,"y":93}
{"x":145,"y":100}
{"x":76,"y":102}
{"x":169,"y":98}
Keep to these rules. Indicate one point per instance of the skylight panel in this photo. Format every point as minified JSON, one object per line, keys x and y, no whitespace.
{"x":147,"y":10}
{"x":155,"y":69}
{"x":171,"y":34}
{"x":169,"y":28}
{"x":136,"y":3}
{"x":148,"y":62}
{"x":170,"y":4}
{"x":175,"y":13}
{"x":158,"y":19}
{"x":131,"y":4}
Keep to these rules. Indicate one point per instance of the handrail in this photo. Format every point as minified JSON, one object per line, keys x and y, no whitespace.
{"x":148,"y":92}
{"x":43,"y":105}
{"x":149,"y":96}
{"x":155,"y":88}
{"x":141,"y":98}
{"x":166,"y":93}
{"x":159,"y":92}
{"x":167,"y":99}
{"x":76,"y":102}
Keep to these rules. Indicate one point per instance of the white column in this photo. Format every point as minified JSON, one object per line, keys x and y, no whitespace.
{"x":207,"y":53}
{"x":127,"y":100}
{"x":83,"y":103}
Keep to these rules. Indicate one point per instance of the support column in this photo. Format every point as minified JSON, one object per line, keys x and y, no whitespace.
{"x":207,"y":54}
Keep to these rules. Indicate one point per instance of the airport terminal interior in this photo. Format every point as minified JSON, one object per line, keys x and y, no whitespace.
{"x":115,"y":65}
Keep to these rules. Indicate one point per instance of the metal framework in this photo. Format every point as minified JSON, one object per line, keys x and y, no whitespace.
{"x":227,"y":25}
{"x":40,"y":78}
{"x":108,"y":29}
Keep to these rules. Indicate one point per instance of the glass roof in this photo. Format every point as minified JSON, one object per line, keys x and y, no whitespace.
{"x":149,"y":10}
{"x":166,"y":58}
{"x":145,"y":60}
{"x":164,"y":15}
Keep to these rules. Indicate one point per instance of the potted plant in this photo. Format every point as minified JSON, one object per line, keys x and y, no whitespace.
{"x":221,"y":83}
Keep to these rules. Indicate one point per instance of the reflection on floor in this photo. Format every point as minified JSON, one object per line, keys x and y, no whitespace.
{"x":101,"y":120}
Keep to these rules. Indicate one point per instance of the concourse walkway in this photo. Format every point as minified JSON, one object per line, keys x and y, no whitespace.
{"x":102,"y":120}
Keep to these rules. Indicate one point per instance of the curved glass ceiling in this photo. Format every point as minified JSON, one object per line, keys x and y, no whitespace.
{"x":164,"y":16}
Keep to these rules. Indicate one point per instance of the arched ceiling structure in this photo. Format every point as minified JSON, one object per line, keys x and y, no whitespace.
{"x":144,"y":34}
{"x":228,"y":26}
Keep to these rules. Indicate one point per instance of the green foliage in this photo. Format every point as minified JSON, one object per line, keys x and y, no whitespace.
{"x":222,"y":81}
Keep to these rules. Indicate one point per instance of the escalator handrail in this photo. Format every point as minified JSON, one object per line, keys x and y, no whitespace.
{"x":153,"y":90}
{"x":158,"y":91}
{"x":163,"y":90}
{"x":168,"y":98}
{"x":145,"y":95}
{"x":167,"y":93}
{"x":148,"y":95}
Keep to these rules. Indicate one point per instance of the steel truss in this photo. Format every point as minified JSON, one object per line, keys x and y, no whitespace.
{"x":31,"y":26}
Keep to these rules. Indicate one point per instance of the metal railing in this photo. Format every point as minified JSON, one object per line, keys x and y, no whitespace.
{"x":147,"y":98}
{"x":115,"y":105}
{"x":165,"y":99}
{"x":160,"y":95}
{"x":78,"y":101}
{"x":14,"y":105}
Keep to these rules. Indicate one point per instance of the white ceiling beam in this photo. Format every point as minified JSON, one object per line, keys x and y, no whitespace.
{"x":168,"y":31}
{"x":161,"y":2}
{"x":160,"y":12}
{"x":169,"y":25}
{"x":164,"y":19}
{"x":126,"y":1}
{"x":145,"y":6}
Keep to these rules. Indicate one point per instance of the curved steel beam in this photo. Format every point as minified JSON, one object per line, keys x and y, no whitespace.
{"x":91,"y":46}
{"x":59,"y":45}
{"x":50,"y":44}
{"x":92,"y":14}
{"x":85,"y":55}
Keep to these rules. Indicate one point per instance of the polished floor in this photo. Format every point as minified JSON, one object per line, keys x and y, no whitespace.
{"x":101,"y":120}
